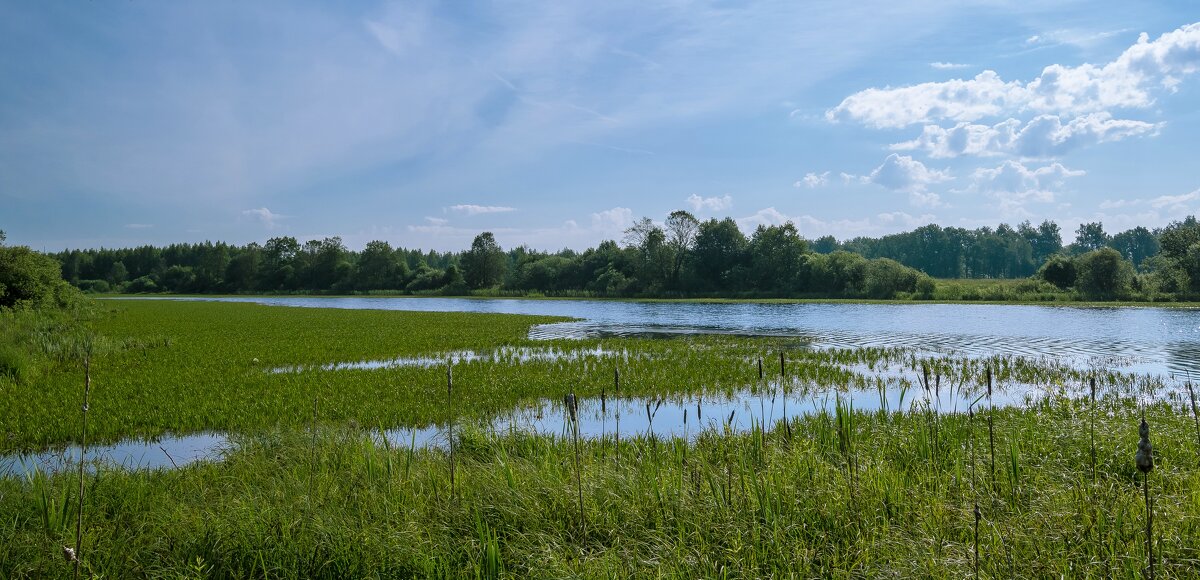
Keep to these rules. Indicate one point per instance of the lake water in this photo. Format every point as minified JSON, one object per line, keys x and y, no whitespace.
{"x":1134,"y":339}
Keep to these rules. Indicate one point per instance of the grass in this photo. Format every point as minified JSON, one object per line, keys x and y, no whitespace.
{"x":840,"y":494}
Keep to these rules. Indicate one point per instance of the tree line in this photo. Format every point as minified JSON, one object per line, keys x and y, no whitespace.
{"x":682,"y":256}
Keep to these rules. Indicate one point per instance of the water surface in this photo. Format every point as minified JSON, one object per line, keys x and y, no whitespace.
{"x":1134,"y":339}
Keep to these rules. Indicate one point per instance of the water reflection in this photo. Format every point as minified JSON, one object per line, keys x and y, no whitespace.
{"x":166,"y":452}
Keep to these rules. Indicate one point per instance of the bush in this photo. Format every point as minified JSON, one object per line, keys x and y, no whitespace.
{"x":1104,"y":273}
{"x":1059,"y":270}
{"x":94,"y":286}
{"x":29,"y":280}
{"x":142,"y":285}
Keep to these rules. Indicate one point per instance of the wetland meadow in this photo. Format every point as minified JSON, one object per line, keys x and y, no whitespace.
{"x":336,"y":438}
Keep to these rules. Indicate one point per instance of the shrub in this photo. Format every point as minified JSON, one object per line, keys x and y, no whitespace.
{"x":1059,"y":270}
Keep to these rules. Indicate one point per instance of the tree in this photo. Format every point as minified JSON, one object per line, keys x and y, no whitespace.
{"x":682,"y":228}
{"x":720,"y":247}
{"x":485,"y":263}
{"x":379,"y":268}
{"x":1090,"y":237}
{"x":1135,"y":244}
{"x":653,"y":256}
{"x":825,"y":245}
{"x":775,"y":257}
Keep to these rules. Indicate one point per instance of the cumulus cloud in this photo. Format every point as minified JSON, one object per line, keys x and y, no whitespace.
{"x":763,"y":217}
{"x":470,"y":209}
{"x":1129,"y":81}
{"x":265,"y":216}
{"x":1043,"y":136}
{"x":709,"y":203}
{"x":1013,"y":184}
{"x":903,"y":173}
{"x":813,"y":180}
{"x":616,"y":219}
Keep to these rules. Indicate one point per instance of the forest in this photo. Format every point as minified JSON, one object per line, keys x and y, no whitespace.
{"x":684,"y":257}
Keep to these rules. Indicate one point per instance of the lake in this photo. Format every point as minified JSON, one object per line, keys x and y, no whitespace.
{"x":1151,"y":340}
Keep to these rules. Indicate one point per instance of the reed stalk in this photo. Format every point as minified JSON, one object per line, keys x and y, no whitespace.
{"x":991,"y":430}
{"x":1144,"y":459}
{"x":617,"y":397}
{"x":1195,"y":412}
{"x":450,"y":414}
{"x":1092,"y":428}
{"x":87,"y":391}
{"x":572,"y":404}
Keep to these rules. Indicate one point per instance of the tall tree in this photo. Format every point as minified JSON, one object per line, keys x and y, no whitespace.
{"x":484,"y":263}
{"x":1090,"y":236}
{"x":720,"y":248}
{"x":681,"y":231}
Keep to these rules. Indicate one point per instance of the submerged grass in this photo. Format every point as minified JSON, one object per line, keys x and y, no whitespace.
{"x":836,"y":494}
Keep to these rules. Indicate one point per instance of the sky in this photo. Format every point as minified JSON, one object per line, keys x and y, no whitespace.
{"x":557,"y":124}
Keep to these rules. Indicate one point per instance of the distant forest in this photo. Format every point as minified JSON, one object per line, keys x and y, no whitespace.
{"x":684,"y":257}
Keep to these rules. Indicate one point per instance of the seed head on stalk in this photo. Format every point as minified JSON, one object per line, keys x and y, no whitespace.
{"x":1145,"y":452}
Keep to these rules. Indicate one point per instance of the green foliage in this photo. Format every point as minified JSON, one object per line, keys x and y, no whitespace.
{"x":484,"y":263}
{"x":884,"y":278}
{"x":30,"y":280}
{"x":1104,"y":273}
{"x":1059,"y":270}
{"x":679,"y":258}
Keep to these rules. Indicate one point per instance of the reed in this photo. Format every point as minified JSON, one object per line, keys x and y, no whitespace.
{"x":1144,"y":459}
{"x":77,"y":555}
{"x":450,"y":423}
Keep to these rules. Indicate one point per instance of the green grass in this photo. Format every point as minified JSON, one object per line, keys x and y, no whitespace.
{"x":843,"y":494}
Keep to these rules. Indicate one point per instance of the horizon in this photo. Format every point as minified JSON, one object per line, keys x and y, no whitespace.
{"x":423,"y":124}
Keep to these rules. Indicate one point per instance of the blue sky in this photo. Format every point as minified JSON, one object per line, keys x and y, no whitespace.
{"x":556,"y":124}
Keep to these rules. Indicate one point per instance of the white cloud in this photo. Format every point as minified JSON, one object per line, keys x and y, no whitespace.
{"x":1175,"y":202}
{"x":948,"y":65}
{"x":265,"y":216}
{"x":470,"y":209}
{"x":138,"y":226}
{"x":613,"y":220}
{"x":763,"y":217}
{"x":813,"y":180}
{"x":437,"y":221}
{"x":903,"y":173}
{"x":1126,"y":82}
{"x":709,"y":203}
{"x":1013,"y":184}
{"x":1043,"y":136}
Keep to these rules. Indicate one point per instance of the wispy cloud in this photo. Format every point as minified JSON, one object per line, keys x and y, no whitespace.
{"x":948,"y":65}
{"x":471,"y":209}
{"x":138,"y":226}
